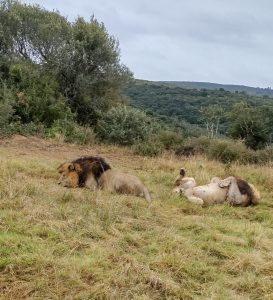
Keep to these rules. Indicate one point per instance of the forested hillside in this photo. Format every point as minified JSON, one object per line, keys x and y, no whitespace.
{"x":256,"y":91}
{"x":176,"y":103}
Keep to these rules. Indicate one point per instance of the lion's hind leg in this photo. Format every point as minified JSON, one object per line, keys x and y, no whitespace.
{"x":234,"y":195}
{"x":195,"y":200}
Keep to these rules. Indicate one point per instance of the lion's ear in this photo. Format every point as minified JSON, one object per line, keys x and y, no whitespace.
{"x":71,"y":167}
{"x":77,"y":168}
{"x":182,"y":172}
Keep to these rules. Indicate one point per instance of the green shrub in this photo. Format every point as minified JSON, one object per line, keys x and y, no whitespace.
{"x":225,"y":150}
{"x":193,"y":146}
{"x":27,"y":129}
{"x":125,"y":125}
{"x":151,"y":148}
{"x":265,"y":155}
{"x":69,"y":131}
{"x":170,"y":139}
{"x":6,"y":108}
{"x":228,"y":151}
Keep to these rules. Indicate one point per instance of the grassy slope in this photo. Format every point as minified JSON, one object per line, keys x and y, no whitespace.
{"x":57,"y":243}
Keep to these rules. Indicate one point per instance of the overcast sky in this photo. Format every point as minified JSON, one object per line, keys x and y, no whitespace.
{"x":222,"y":41}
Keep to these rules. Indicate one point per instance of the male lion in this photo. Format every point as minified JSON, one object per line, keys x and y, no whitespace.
{"x":233,"y":190}
{"x":95,"y":172}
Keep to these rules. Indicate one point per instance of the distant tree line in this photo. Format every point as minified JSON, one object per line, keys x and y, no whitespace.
{"x":219,"y":112}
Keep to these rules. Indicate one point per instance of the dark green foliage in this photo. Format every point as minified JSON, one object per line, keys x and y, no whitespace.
{"x":27,"y":129}
{"x":90,"y":72}
{"x":183,"y":104}
{"x":6,"y":106}
{"x":169,"y":139}
{"x":148,"y":148}
{"x":52,"y":69}
{"x":158,"y":141}
{"x":225,"y":150}
{"x":264,"y":156}
{"x":32,"y":33}
{"x":252,"y":124}
{"x":69,"y":131}
{"x":125,"y":125}
{"x":193,"y":146}
{"x":37,"y":98}
{"x":238,"y":89}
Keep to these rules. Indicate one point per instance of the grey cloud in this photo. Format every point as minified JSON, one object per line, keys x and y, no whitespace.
{"x":225,"y":41}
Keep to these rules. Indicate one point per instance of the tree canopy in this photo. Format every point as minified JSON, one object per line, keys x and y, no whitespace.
{"x":252,"y":124}
{"x":54,"y":67}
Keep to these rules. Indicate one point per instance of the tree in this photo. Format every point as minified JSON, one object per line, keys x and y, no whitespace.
{"x":211,"y":117}
{"x":31,"y":32}
{"x":251,"y":124}
{"x":90,"y":72}
{"x":76,"y":64}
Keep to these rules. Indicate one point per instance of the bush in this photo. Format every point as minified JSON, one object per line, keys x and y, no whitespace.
{"x":6,"y":108}
{"x":125,"y":126}
{"x":228,"y":151}
{"x":26,"y":129}
{"x":265,"y":155}
{"x":69,"y":131}
{"x":148,"y":148}
{"x":193,"y":146}
{"x":224,"y":151}
{"x":170,"y":140}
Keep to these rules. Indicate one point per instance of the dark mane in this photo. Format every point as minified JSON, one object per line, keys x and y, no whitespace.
{"x":245,"y":189}
{"x":96,"y":164}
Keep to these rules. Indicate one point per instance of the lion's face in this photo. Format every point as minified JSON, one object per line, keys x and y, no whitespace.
{"x":185,"y":183}
{"x":69,"y":176}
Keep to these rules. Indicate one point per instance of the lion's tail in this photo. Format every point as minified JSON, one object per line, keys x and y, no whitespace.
{"x":147,"y":195}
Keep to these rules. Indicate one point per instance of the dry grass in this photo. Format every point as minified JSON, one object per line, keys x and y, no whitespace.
{"x":57,"y":243}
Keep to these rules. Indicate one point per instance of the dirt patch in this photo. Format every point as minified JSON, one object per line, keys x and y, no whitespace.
{"x":35,"y":147}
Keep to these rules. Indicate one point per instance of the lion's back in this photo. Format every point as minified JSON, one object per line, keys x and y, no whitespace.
{"x":116,"y":181}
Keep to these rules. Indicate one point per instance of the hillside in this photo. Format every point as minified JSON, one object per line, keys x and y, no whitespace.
{"x":177,"y":105}
{"x":58,"y":243}
{"x":256,"y":91}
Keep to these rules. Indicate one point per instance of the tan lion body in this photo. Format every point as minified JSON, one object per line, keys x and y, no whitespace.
{"x":116,"y":181}
{"x":232,"y":190}
{"x":98,"y":174}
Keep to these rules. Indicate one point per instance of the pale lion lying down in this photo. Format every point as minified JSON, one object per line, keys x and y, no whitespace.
{"x":94,"y":172}
{"x":232,"y":190}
